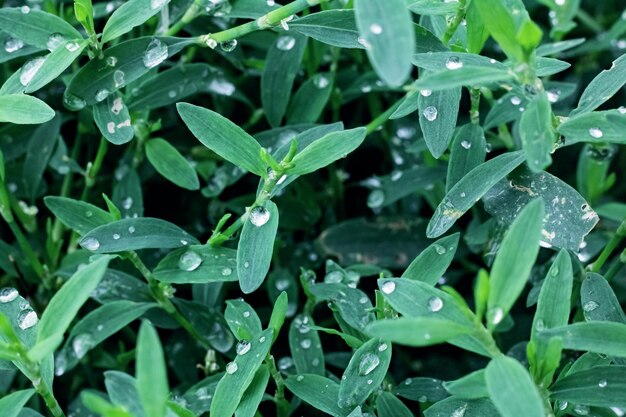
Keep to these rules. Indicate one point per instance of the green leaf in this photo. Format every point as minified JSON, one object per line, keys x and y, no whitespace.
{"x":326,"y":150}
{"x":421,"y":389}
{"x":471,"y":386}
{"x":390,"y":188}
{"x":333,"y":27}
{"x":568,"y":217}
{"x":351,"y":304}
{"x":417,"y":331}
{"x":171,"y":164}
{"x":514,"y":261}
{"x":254,"y":394}
{"x":239,"y":375}
{"x":56,"y":62}
{"x":511,"y":389}
{"x":431,"y":7}
{"x":387,"y":30}
{"x":256,"y":246}
{"x":466,"y":153}
{"x":12,"y":404}
{"x":132,"y":58}
{"x":122,"y":390}
{"x":223,"y":137}
{"x":600,"y":386}
{"x":550,"y":66}
{"x":470,"y":189}
{"x":216,"y":265}
{"x":601,"y":337}
{"x":438,"y":116}
{"x":40,"y":149}
{"x":595,"y":127}
{"x":464,"y":76}
{"x":137,"y":233}
{"x":242,"y":320}
{"x":279,"y":312}
{"x":462,"y":407}
{"x":305,"y":346}
{"x":77,"y":215}
{"x":281,"y":67}
{"x":318,"y":391}
{"x":537,"y":132}
{"x":432,"y":262}
{"x":83,"y":10}
{"x":35,"y":27}
{"x":24,"y":110}
{"x":152,"y":383}
{"x":113,"y":120}
{"x":598,"y":300}
{"x":365,"y":372}
{"x":129,"y":15}
{"x":603,"y":87}
{"x":388,"y":405}
{"x":419,"y":299}
{"x":64,"y":306}
{"x":310,"y":100}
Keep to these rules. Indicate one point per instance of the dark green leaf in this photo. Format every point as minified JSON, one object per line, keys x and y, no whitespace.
{"x":537,"y":133}
{"x":305,"y":346}
{"x":598,"y":300}
{"x":112,"y":118}
{"x":603,"y":87}
{"x":433,"y":262}
{"x":334,"y":27}
{"x":602,"y":337}
{"x":600,"y":386}
{"x":388,"y":405}
{"x":216,"y":265}
{"x":152,"y":383}
{"x":322,"y":393}
{"x":242,"y":320}
{"x":171,"y":164}
{"x":56,"y":62}
{"x":254,"y":394}
{"x":464,"y":408}
{"x":35,"y":27}
{"x":438,"y":116}
{"x":466,"y":153}
{"x":310,"y":100}
{"x":77,"y":215}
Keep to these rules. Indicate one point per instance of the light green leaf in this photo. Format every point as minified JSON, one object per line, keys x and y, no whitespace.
{"x":462,"y":407}
{"x":454,"y":61}
{"x":318,"y":391}
{"x":279,"y":312}
{"x":438,"y":114}
{"x":223,"y":137}
{"x":35,"y":27}
{"x":24,"y":110}
{"x":603,"y":87}
{"x":151,"y":372}
{"x":129,"y":15}
{"x":550,"y":66}
{"x":470,"y":189}
{"x":387,"y":30}
{"x":598,"y":300}
{"x":112,"y":118}
{"x":326,"y":150}
{"x":417,"y":331}
{"x":171,"y":164}
{"x":601,"y":337}
{"x":56,"y":62}
{"x":256,"y":246}
{"x":471,"y":386}
{"x":12,"y":404}
{"x":466,"y":153}
{"x":514,"y":261}
{"x":600,"y":386}
{"x":333,"y":27}
{"x":432,"y":7}
{"x":432,"y":262}
{"x":511,"y":389}
{"x":281,"y":66}
{"x":77,"y":215}
{"x":239,"y":375}
{"x":537,"y":132}
{"x":215,"y":265}
{"x":137,"y":233}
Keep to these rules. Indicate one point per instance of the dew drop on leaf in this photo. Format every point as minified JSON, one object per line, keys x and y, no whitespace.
{"x":8,"y":294}
{"x":368,"y":363}
{"x":426,"y":93}
{"x":596,"y":132}
{"x":227,"y":271}
{"x":435,"y":304}
{"x":82,"y":343}
{"x":603,"y":383}
{"x":439,"y":249}
{"x":259,"y":216}
{"x":229,"y":46}
{"x":376,"y":199}
{"x":231,"y":368}
{"x":516,"y":101}
{"x":102,"y":94}
{"x":155,"y":53}
{"x":383,"y":347}
{"x":12,"y":45}
{"x":29,"y":70}
{"x":376,"y":29}
{"x":27,"y":319}
{"x":243,"y":347}
{"x":111,"y":61}
{"x":466,"y":144}
{"x":305,"y":343}
{"x":430,"y":113}
{"x":388,"y":287}
{"x":590,"y":306}
{"x":90,"y":243}
{"x":286,"y":43}
{"x":157,"y":4}
{"x":72,"y":46}
{"x":54,"y":41}
{"x":581,"y":410}
{"x":73,"y":102}
{"x":116,"y":236}
{"x":454,"y":63}
{"x":189,"y":261}
{"x":459,"y":412}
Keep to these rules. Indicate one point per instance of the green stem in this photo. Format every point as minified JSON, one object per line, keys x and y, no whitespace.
{"x":159,"y":295}
{"x":45,"y":392}
{"x":382,"y":118}
{"x":589,"y":21}
{"x":28,"y":250}
{"x":454,"y":25}
{"x":267,"y":21}
{"x":282,"y":405}
{"x":610,"y":247}
{"x":475,"y":107}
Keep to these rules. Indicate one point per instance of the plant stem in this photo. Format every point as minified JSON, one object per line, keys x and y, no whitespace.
{"x":475,"y":107}
{"x":454,"y":25}
{"x":617,"y":238}
{"x":266,"y":21}
{"x":282,"y":405}
{"x":163,"y":299}
{"x":45,"y":392}
{"x":615,"y":267}
{"x":382,"y":118}
{"x":28,"y":250}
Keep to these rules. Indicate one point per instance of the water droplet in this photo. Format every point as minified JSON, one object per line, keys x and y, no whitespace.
{"x":157,"y":4}
{"x":155,"y":53}
{"x":29,"y":70}
{"x":116,"y":236}
{"x":73,"y":102}
{"x":271,"y":3}
{"x":516,"y":101}
{"x":435,"y":304}
{"x":13,"y":44}
{"x":426,"y":93}
{"x":246,"y":264}
{"x":243,"y":347}
{"x":376,"y":198}
{"x":117,"y":106}
{"x":439,"y":249}
{"x":559,"y":2}
{"x":127,"y":203}
{"x":370,"y":382}
{"x":119,"y":78}
{"x":27,"y":319}
{"x":131,"y":229}
{"x":454,"y":63}
{"x":466,"y":144}
{"x":596,"y":132}
{"x":603,"y":383}
{"x":25,"y":9}
{"x":430,"y":113}
{"x":231,"y":368}
{"x":227,"y":272}
{"x":82,"y":344}
{"x":621,"y":109}
{"x":246,"y":314}
{"x":305,"y":343}
{"x":396,"y":175}
{"x":581,"y":410}
{"x":229,"y":46}
{"x":376,"y":29}
{"x":364,"y":43}
{"x":111,"y":61}
{"x":300,"y":378}
{"x":553,"y":95}
{"x":262,"y":339}
{"x":368,"y":363}
{"x":459,"y":412}
{"x":286,"y":43}
{"x":285,"y":363}
{"x":321,"y":82}
{"x":189,"y":261}
{"x":383,"y":347}
{"x":590,"y":306}
{"x":90,"y":243}
{"x":72,"y":46}
{"x":102,"y":94}
{"x":222,"y":87}
{"x":496,"y":315}
{"x":563,"y":405}
{"x":259,"y":216}
{"x":388,"y":287}
{"x":8,"y":294}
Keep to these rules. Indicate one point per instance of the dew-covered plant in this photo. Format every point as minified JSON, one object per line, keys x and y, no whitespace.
{"x":352,"y":208}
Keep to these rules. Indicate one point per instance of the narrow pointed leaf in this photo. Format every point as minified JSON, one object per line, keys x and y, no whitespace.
{"x":433,"y":261}
{"x":113,"y":119}
{"x":305,"y":346}
{"x":600,"y":386}
{"x":598,"y":300}
{"x":12,"y":404}
{"x":152,"y":383}
{"x":254,"y":394}
{"x":603,"y":87}
{"x":216,"y":265}
{"x":466,"y":153}
{"x":35,"y":27}
{"x":56,"y":62}
{"x":537,"y":133}
{"x":511,"y":389}
{"x":438,"y":117}
{"x":129,"y":15}
{"x":388,"y":405}
{"x":318,"y":391}
{"x":601,"y":337}
{"x":333,"y":27}
{"x":77,"y":215}
{"x":171,"y":164}
{"x":417,"y":331}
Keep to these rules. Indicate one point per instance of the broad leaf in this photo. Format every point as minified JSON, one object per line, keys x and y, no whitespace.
{"x":511,"y":389}
{"x":24,"y":110}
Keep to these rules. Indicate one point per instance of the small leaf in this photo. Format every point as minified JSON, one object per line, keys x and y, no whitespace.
{"x":77,"y":215}
{"x":279,"y":312}
{"x":537,"y":133}
{"x":305,"y":346}
{"x":417,"y":331}
{"x":421,"y":389}
{"x":113,"y":119}
{"x":215,"y":265}
{"x":24,"y":110}
{"x":333,"y":27}
{"x":56,"y":62}
{"x":318,"y":391}
{"x":254,"y":394}
{"x":365,"y":372}
{"x":514,"y":261}
{"x":438,"y":114}
{"x":171,"y":164}
{"x":388,"y":405}
{"x":152,"y":383}
{"x":35,"y":27}
{"x":466,"y":153}
{"x":327,"y":150}
{"x":471,"y":386}
{"x":598,"y":300}
{"x":12,"y":404}
{"x":603,"y":87}
{"x":595,"y":127}
{"x":223,"y":137}
{"x":387,"y":30}
{"x":600,"y":386}
{"x":242,"y":320}
{"x":129,"y":15}
{"x":40,"y":148}
{"x":467,"y":75}
{"x":134,"y":234}
{"x":256,"y":246}
{"x":433,"y":262}
{"x":470,"y":189}
{"x":310,"y":100}
{"x":511,"y":389}
{"x":239,"y":375}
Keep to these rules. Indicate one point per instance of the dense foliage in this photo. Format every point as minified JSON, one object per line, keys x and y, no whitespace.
{"x":386,"y":208}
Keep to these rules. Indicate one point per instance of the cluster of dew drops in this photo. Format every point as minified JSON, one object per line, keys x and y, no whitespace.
{"x":27,"y":317}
